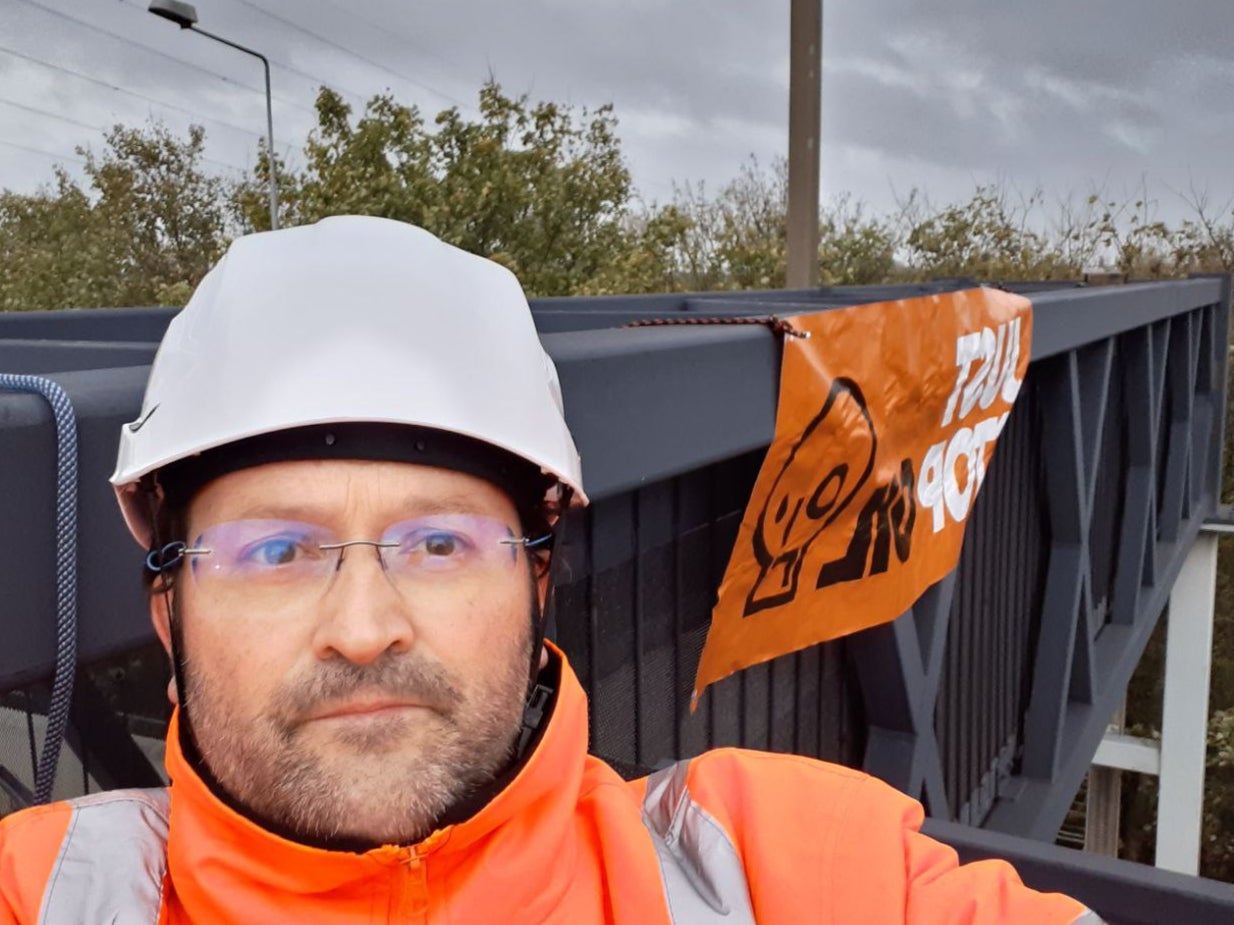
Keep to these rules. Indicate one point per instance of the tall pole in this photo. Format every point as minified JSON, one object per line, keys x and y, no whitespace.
{"x":274,"y":190}
{"x":274,"y":195}
{"x":804,"y":114}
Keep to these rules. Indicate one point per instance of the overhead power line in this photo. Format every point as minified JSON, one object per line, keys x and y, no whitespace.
{"x":352,"y":52}
{"x":353,"y":11}
{"x":44,"y":112}
{"x":101,"y":128}
{"x":51,"y":154}
{"x":141,"y":96}
{"x":156,"y":52}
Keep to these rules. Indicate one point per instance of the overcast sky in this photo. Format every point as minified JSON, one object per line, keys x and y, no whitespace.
{"x":934,"y":94}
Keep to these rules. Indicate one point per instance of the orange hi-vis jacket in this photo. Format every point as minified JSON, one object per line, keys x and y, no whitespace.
{"x":732,"y":836}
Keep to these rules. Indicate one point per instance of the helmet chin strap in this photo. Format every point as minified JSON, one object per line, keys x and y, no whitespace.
{"x":178,"y":669}
{"x":175,"y":636}
{"x":539,"y":696}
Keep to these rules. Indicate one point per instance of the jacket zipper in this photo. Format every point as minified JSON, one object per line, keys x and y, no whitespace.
{"x":416,"y":887}
{"x":408,"y":900}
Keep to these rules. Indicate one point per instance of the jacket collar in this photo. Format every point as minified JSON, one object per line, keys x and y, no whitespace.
{"x":214,"y":850}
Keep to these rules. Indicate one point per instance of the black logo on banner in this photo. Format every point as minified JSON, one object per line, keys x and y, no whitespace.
{"x":835,"y":454}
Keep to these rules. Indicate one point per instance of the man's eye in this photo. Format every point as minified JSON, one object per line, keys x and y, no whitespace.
{"x":440,"y":544}
{"x":277,"y":551}
{"x":435,"y":545}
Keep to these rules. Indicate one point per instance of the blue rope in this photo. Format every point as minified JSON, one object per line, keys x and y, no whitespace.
{"x":66,"y":572}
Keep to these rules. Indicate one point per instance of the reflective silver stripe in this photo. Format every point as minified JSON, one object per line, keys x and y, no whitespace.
{"x":704,"y":880}
{"x":1088,"y":917}
{"x":112,"y":861}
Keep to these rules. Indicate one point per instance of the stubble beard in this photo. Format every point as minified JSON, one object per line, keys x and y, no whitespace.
{"x":388,"y":782}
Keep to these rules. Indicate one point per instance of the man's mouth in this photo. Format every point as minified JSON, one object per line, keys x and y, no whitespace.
{"x":365,"y":708}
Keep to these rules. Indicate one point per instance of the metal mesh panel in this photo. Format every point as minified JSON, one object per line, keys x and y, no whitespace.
{"x":634,"y":600}
{"x":983,"y":692}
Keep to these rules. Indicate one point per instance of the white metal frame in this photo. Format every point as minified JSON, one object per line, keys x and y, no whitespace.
{"x":1179,"y":758}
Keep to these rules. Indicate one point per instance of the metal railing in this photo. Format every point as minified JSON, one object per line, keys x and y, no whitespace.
{"x":987,"y":699}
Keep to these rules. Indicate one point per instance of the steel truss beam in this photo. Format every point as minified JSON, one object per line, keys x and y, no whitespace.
{"x":1171,"y":370}
{"x":902,"y":745}
{"x":1173,"y":380}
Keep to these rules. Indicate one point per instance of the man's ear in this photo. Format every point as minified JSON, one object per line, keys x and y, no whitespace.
{"x":542,"y":579}
{"x":160,"y":617}
{"x":542,"y":583}
{"x":160,"y":614}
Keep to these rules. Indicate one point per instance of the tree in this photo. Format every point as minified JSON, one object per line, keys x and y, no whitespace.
{"x":855,"y":249}
{"x":538,"y":188}
{"x":649,"y":258}
{"x":752,"y":244}
{"x":988,"y":237}
{"x":146,"y":229}
{"x":738,"y":238}
{"x":51,"y":249}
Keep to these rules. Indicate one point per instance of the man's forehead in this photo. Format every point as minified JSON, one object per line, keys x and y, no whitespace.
{"x":353,"y":444}
{"x":324,"y":489}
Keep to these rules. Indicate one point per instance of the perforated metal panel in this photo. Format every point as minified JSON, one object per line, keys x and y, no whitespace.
{"x":639,"y":578}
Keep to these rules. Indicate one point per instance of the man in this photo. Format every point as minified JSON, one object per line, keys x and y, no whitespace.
{"x":346,"y":474}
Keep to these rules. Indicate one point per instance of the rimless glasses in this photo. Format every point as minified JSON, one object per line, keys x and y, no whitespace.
{"x":290,"y":556}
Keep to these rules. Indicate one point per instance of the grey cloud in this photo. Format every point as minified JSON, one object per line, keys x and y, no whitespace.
{"x":943,"y":91}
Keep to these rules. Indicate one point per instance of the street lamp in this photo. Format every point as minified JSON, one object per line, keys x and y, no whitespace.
{"x":185,"y":16}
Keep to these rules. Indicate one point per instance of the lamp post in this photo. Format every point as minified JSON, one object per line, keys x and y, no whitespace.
{"x":185,"y":16}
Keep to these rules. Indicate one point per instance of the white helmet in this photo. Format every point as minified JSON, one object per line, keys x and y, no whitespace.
{"x":353,"y":319}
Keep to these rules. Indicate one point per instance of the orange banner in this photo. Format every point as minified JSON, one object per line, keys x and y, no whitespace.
{"x":887,"y":419}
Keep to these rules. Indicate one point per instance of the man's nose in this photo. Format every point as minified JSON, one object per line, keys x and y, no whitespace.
{"x":362,"y":615}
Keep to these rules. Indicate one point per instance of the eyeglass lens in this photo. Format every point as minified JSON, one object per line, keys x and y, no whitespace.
{"x":282,"y":553}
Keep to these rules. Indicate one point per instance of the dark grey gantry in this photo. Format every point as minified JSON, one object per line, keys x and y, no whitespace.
{"x":987,"y":699}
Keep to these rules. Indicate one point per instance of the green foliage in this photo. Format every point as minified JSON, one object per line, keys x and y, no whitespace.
{"x":1217,"y":848}
{"x":1139,"y":803}
{"x":535,"y":187}
{"x":1205,"y":242}
{"x":988,"y":237}
{"x":752,"y":222}
{"x":737,"y":240}
{"x":734,"y":240}
{"x":148,"y":226}
{"x":648,"y":258}
{"x":543,"y":189}
{"x":855,"y":249}
{"x":50,"y":255}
